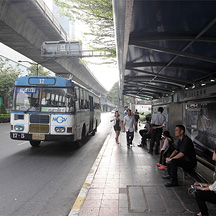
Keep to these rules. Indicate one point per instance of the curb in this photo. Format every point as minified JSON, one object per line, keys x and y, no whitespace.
{"x":87,"y":184}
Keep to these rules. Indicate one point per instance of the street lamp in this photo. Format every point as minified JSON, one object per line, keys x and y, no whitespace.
{"x":32,"y":63}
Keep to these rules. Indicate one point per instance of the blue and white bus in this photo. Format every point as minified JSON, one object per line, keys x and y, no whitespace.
{"x":53,"y":108}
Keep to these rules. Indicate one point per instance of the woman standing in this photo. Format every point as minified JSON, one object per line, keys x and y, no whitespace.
{"x":117,"y":125}
{"x":205,"y":193}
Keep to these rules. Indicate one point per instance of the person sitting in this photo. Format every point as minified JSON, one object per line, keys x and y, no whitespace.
{"x":145,"y":133}
{"x":166,"y":150}
{"x":205,"y":193}
{"x":184,"y":156}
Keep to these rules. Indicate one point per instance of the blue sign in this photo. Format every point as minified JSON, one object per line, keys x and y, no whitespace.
{"x":41,"y":81}
{"x":59,"y":119}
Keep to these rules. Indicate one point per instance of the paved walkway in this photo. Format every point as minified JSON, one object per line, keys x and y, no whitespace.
{"x":127,"y":182}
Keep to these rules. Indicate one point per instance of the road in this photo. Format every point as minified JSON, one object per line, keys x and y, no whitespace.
{"x":45,"y":180}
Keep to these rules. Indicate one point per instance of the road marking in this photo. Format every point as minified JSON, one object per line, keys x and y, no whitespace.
{"x":22,"y":143}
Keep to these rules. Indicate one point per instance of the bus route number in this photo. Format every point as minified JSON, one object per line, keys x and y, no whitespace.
{"x":41,"y":81}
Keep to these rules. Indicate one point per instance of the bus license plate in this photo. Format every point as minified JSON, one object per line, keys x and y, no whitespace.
{"x":38,"y":136}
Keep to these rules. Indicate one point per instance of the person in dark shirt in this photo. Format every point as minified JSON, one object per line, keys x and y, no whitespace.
{"x":184,"y":156}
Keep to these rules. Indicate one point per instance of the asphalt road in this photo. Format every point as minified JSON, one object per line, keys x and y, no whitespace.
{"x":44,"y":181}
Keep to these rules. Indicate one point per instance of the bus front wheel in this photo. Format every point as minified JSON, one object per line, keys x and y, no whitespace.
{"x":80,"y":142}
{"x":35,"y":143}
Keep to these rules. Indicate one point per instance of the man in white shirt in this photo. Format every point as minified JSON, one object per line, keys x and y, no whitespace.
{"x":158,"y":122}
{"x":128,"y":126}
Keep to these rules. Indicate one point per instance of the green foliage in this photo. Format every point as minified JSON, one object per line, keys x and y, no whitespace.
{"x":98,"y":16}
{"x":144,"y":115}
{"x":112,"y":95}
{"x":8,"y":75}
{"x":4,"y":118}
{"x":41,"y":71}
{"x":2,"y":109}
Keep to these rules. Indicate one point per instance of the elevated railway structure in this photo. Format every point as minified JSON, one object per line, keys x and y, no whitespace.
{"x":26,"y":24}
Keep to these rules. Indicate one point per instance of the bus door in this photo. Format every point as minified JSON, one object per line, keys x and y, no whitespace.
{"x":91,"y":107}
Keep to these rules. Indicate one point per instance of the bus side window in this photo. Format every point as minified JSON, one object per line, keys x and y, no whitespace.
{"x":78,"y":98}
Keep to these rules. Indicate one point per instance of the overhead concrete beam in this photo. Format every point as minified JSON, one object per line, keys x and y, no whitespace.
{"x":26,"y":24}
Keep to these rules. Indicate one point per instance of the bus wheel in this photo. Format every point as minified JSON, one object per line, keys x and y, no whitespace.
{"x":95,"y":130}
{"x":80,"y":142}
{"x":35,"y":143}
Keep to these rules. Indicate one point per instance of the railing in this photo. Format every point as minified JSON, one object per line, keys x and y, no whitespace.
{"x":51,"y":17}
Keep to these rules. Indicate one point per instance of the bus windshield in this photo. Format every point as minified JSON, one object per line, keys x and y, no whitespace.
{"x":43,"y":99}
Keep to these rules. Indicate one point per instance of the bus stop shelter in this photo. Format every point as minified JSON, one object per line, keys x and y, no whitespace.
{"x":164,"y":47}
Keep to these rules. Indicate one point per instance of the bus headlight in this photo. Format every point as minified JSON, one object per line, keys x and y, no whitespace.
{"x":59,"y":129}
{"x":19,"y":127}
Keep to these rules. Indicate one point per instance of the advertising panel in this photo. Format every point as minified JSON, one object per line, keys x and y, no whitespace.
{"x":200,"y":121}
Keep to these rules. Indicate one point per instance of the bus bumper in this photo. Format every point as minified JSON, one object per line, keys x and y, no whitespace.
{"x":46,"y":137}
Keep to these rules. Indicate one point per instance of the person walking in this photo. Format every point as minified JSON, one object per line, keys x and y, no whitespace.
{"x":205,"y":193}
{"x":128,"y":126}
{"x":184,"y":156}
{"x":117,"y":125}
{"x":157,"y":122}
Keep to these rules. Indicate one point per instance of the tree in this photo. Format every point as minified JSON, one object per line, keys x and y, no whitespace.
{"x":98,"y":16}
{"x":41,"y":71}
{"x":8,"y":75}
{"x":112,"y":95}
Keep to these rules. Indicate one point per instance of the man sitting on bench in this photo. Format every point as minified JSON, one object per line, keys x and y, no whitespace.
{"x":184,"y":156}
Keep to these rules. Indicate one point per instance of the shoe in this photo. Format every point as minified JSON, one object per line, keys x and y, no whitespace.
{"x":198,"y":214}
{"x":150,"y":152}
{"x":171,"y":184}
{"x":166,"y":177}
{"x":158,"y":164}
{"x":140,"y":145}
{"x":162,"y":167}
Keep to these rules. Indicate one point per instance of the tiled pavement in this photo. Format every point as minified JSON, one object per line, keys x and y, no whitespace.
{"x":127,"y":182}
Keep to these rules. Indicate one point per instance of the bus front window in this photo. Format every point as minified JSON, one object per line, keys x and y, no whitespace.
{"x":26,"y":98}
{"x":57,"y":100}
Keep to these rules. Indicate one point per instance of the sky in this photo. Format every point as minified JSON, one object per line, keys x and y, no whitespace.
{"x":107,"y":75}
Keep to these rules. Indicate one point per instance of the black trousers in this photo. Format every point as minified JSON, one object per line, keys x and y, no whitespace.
{"x":155,"y":137}
{"x":202,"y":197}
{"x":175,"y":163}
{"x":130,"y":136}
{"x":144,"y":136}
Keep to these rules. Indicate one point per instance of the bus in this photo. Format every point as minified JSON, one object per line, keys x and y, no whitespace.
{"x":53,"y":109}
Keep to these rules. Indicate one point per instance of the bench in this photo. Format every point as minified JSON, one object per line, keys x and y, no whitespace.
{"x":193,"y":175}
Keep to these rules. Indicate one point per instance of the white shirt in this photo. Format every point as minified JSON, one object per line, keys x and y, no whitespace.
{"x":158,"y":119}
{"x":129,"y":123}
{"x":166,"y":144}
{"x":212,"y":187}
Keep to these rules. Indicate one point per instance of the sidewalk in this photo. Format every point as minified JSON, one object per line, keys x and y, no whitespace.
{"x":127,"y":182}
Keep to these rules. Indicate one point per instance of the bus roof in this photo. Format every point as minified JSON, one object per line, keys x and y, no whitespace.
{"x":43,"y":81}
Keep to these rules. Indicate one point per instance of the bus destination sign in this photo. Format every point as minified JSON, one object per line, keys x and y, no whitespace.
{"x":41,"y":81}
